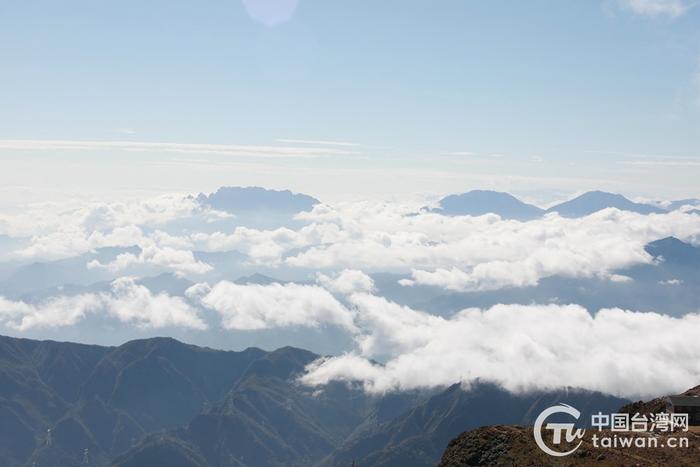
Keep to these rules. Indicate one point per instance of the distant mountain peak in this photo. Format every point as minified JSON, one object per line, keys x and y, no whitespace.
{"x":252,"y":198}
{"x":674,"y":251}
{"x":594,"y":201}
{"x":480,"y":202}
{"x":257,"y":278}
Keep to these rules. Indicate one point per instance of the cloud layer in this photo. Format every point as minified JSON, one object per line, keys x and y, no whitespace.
{"x":520,"y":347}
{"x":251,"y":307}
{"x":460,"y":253}
{"x":127,"y":301}
{"x":470,"y":253}
{"x":333,"y":248}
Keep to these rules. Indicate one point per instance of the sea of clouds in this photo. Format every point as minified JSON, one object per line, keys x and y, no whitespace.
{"x":336,"y":248}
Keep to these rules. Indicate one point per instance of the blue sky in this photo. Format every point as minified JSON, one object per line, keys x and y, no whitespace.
{"x":540,"y":97}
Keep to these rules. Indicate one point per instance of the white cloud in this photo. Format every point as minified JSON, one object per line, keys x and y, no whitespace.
{"x":36,"y":219}
{"x":59,"y":231}
{"x":347,"y":282}
{"x":127,"y":301}
{"x":180,"y":261}
{"x":134,"y":303}
{"x":56,"y":311}
{"x":520,"y":347}
{"x":672,"y":8}
{"x":620,"y":278}
{"x":486,"y":252}
{"x":250,"y":307}
{"x":268,"y":246}
{"x":457,"y":253}
{"x":69,"y":242}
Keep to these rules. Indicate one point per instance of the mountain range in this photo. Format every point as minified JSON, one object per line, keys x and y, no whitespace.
{"x":161,"y":402}
{"x":480,"y":202}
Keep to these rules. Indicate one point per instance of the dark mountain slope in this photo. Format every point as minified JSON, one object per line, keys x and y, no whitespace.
{"x":419,"y":436}
{"x":166,"y":451}
{"x":266,"y":420}
{"x":162,"y":382}
{"x":161,"y":402}
{"x":103,"y":399}
{"x":36,"y":390}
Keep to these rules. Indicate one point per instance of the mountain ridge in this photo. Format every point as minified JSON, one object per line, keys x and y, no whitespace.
{"x":163,"y":399}
{"x":507,"y":206}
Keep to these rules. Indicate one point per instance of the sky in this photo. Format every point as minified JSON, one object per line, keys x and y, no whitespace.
{"x":346,"y":99}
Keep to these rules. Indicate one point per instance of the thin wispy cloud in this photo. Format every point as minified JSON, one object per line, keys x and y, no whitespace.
{"x":631,"y":155}
{"x":474,"y":154}
{"x":169,"y":147}
{"x":271,"y":12}
{"x":665,"y":162}
{"x":318,"y":142}
{"x":671,"y":8}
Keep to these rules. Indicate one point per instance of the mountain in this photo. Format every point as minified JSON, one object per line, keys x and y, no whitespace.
{"x":103,"y":399}
{"x":162,"y":402}
{"x":507,"y":445}
{"x":673,"y":251}
{"x":69,"y":271}
{"x":419,"y":436}
{"x":39,"y":382}
{"x":257,"y":278}
{"x":515,"y":445}
{"x":480,"y":202}
{"x":594,"y":201}
{"x":677,"y":204}
{"x":267,"y":419}
{"x":656,"y":405}
{"x":250,"y":199}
